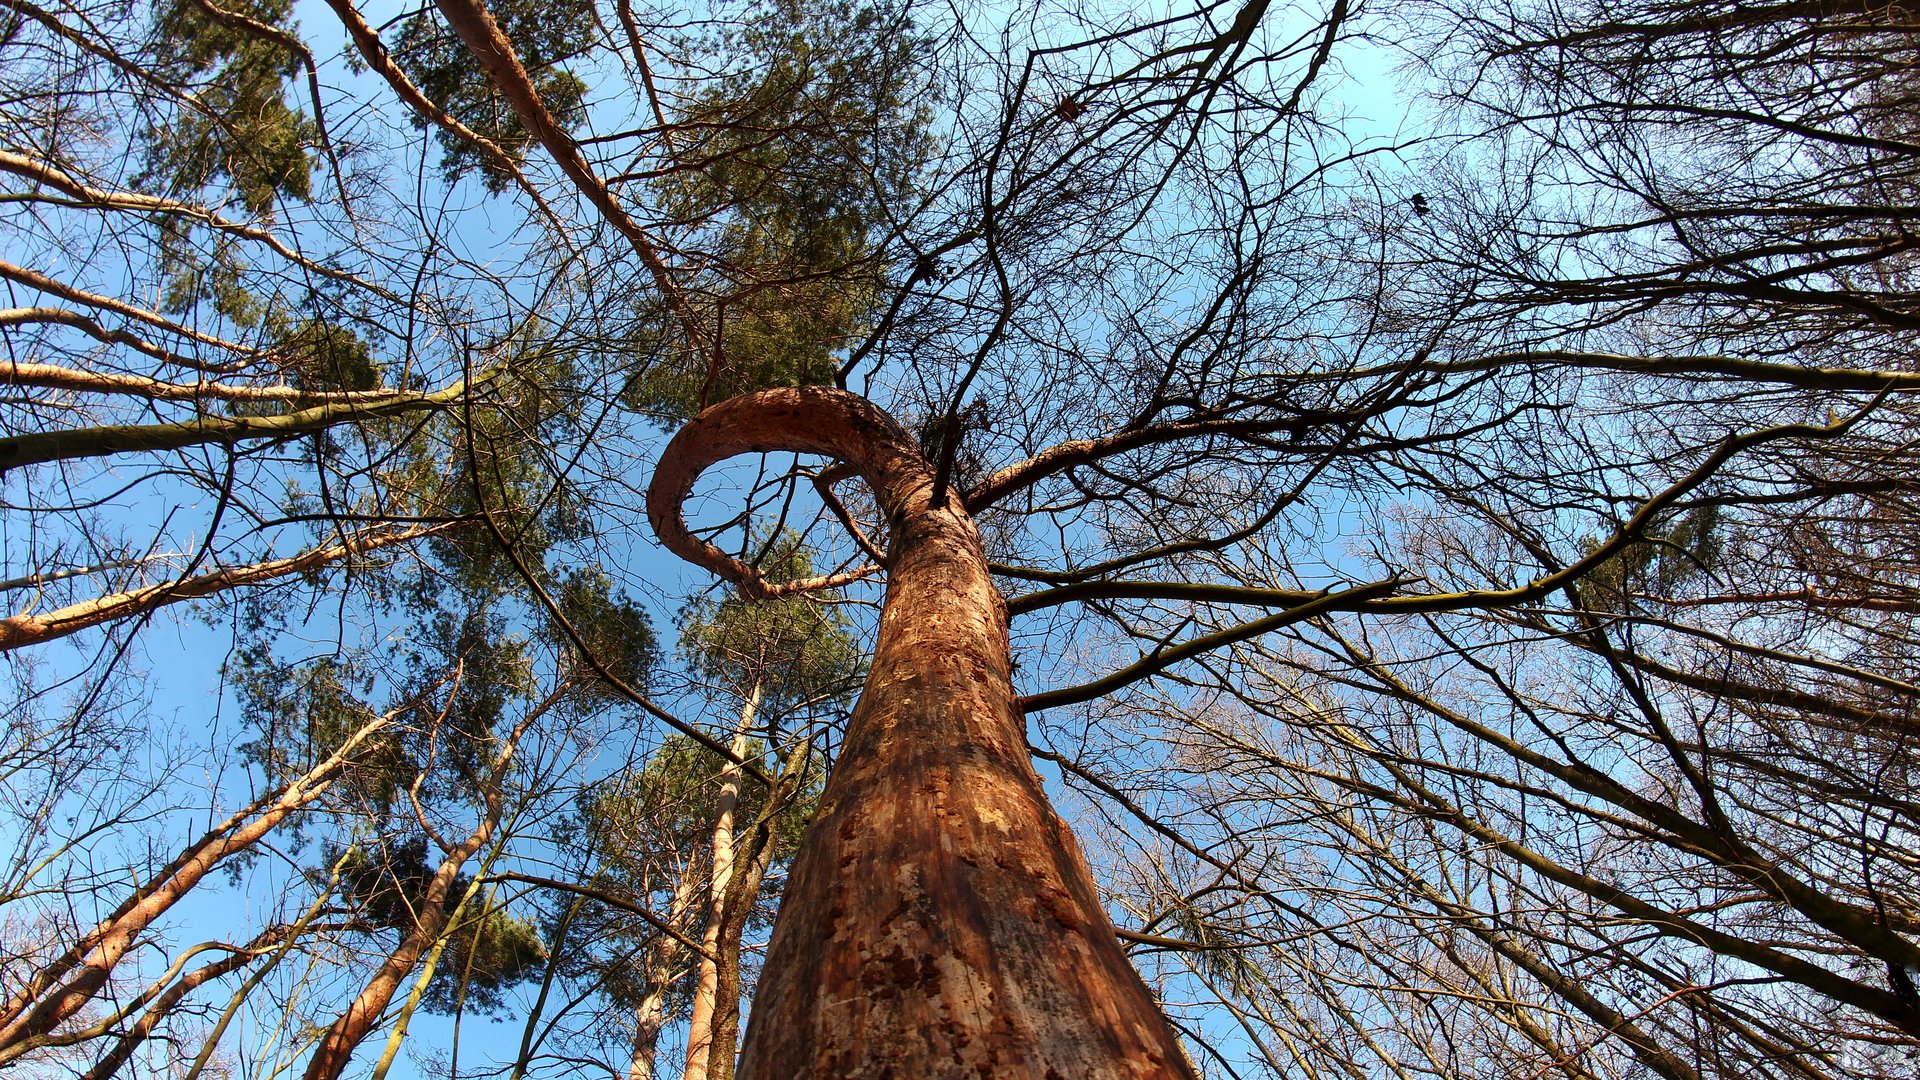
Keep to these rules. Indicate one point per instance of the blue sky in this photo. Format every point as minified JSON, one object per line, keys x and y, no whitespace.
{"x":175,"y":668}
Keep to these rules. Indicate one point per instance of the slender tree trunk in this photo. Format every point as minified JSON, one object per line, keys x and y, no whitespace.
{"x":344,"y":1035}
{"x":73,"y":444}
{"x":724,"y":1044}
{"x":650,"y":1016}
{"x":706,"y":989}
{"x":45,"y":1001}
{"x":163,"y":1006}
{"x":351,"y":1027}
{"x":939,"y":920}
{"x":757,"y":856}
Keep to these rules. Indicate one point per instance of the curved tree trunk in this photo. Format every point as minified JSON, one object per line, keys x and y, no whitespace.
{"x":939,"y":920}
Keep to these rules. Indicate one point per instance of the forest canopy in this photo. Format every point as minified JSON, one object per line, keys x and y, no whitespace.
{"x":1450,"y":468}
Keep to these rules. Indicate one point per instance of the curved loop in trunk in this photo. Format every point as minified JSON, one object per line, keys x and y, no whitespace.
{"x":939,"y":920}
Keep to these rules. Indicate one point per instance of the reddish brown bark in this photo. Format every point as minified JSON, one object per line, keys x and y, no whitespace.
{"x":939,"y":920}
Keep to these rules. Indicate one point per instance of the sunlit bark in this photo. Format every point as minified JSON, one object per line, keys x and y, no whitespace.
{"x":939,"y":919}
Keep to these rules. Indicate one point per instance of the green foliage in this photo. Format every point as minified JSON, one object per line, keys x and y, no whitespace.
{"x":816,"y":134}
{"x":486,"y":953}
{"x":385,"y":886}
{"x":304,"y":713}
{"x":462,"y":682}
{"x":233,"y":128}
{"x":613,"y":628}
{"x":648,"y":827}
{"x":794,"y":161}
{"x":1228,"y":958}
{"x":794,"y":649}
{"x":495,"y":464}
{"x":545,"y":35}
{"x":216,"y":277}
{"x":468,"y":673}
{"x":485,"y":956}
{"x":326,"y":356}
{"x":1659,"y":565}
{"x":663,"y":806}
{"x":1691,"y":549}
{"x":238,"y":127}
{"x":675,"y":796}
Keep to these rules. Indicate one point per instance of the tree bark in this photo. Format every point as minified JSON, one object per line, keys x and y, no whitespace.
{"x":27,"y":629}
{"x":337,"y":1043}
{"x":73,"y":444}
{"x":939,"y":920}
{"x":707,"y":984}
{"x":39,"y":1005}
{"x":754,"y":858}
{"x":163,"y":1006}
{"x":662,"y":958}
{"x":350,"y":1028}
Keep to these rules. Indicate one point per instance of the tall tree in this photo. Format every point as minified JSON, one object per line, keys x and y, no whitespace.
{"x":967,"y":892}
{"x":1446,"y":551}
{"x":780,"y":659}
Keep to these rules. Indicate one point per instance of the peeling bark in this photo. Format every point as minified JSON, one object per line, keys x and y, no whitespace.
{"x":939,"y":919}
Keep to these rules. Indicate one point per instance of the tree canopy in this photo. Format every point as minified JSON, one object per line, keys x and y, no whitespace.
{"x":1450,"y":468}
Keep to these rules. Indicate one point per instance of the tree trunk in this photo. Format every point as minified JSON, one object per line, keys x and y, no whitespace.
{"x":337,"y":1044}
{"x":650,"y":1016}
{"x":754,"y":856}
{"x":39,"y":1007}
{"x":163,"y":1006}
{"x":351,"y":1027}
{"x":707,"y":985}
{"x":939,"y":920}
